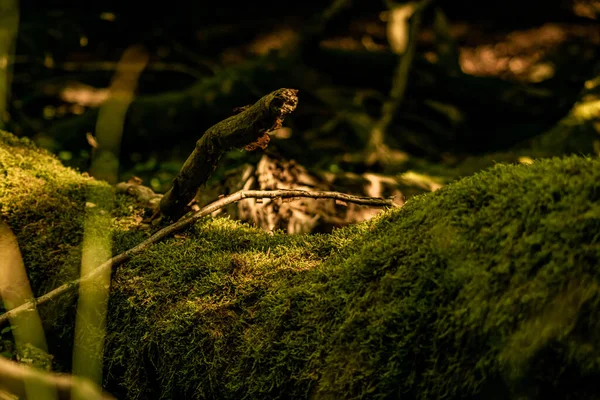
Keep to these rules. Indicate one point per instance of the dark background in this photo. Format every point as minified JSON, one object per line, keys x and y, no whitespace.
{"x":481,"y":101}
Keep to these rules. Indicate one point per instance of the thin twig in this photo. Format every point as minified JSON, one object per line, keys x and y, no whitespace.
{"x":186,"y":222}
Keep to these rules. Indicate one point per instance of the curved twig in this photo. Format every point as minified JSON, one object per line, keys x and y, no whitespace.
{"x":186,"y":222}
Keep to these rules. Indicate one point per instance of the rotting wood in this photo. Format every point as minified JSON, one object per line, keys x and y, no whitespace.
{"x":249,"y":129}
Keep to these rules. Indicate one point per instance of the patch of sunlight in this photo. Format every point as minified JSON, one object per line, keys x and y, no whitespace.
{"x":398,"y":26}
{"x":108,"y":16}
{"x":84,"y":95}
{"x":425,"y":181}
{"x":592,"y":83}
{"x":587,"y":110}
{"x":525,"y":160}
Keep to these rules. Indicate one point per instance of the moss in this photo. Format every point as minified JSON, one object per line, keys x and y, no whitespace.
{"x":486,"y":288}
{"x":44,"y":203}
{"x":481,"y":282}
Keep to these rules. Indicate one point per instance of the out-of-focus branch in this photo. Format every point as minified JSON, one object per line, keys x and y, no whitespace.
{"x":92,"y":303}
{"x":399,"y":84}
{"x":9,"y":27}
{"x":94,"y":66}
{"x":15,"y":290}
{"x":14,"y":377}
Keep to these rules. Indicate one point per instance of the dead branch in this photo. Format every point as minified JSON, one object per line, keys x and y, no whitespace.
{"x":399,"y":84}
{"x":249,"y":128}
{"x":186,"y":222}
{"x":15,"y":377}
{"x":15,"y":290}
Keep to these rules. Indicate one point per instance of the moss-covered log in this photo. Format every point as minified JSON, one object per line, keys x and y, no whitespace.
{"x":486,"y":288}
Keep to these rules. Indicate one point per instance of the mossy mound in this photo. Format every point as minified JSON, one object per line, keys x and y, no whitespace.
{"x":486,"y":288}
{"x":44,"y":203}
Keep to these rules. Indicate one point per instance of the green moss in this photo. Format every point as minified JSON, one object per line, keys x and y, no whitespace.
{"x":488,"y":283}
{"x":44,"y":203}
{"x":487,"y":288}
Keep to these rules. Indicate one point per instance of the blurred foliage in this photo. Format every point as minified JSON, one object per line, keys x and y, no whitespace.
{"x":482,"y":81}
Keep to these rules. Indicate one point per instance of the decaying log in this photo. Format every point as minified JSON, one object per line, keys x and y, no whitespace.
{"x":249,"y":129}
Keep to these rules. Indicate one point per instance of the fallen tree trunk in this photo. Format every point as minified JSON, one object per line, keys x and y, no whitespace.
{"x":420,"y":300}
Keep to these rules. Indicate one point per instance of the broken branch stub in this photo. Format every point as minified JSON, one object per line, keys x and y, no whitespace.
{"x":249,"y":129}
